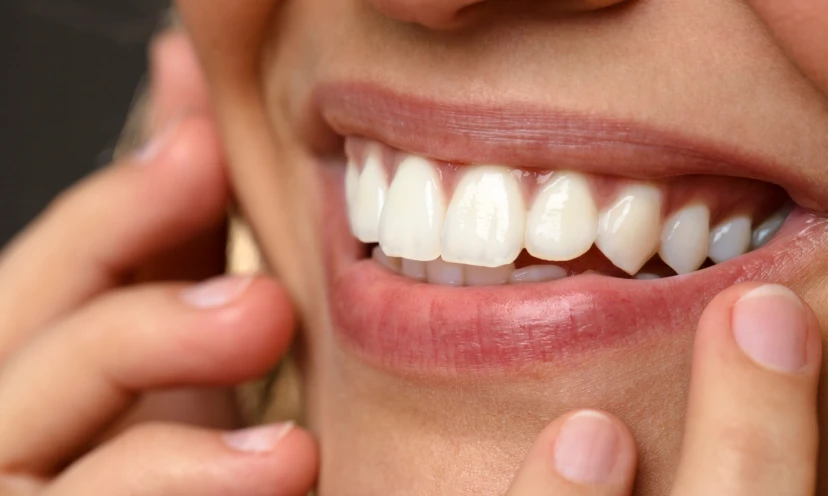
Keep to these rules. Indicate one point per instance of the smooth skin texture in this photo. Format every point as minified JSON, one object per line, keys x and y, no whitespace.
{"x":746,"y":75}
{"x":108,"y":340}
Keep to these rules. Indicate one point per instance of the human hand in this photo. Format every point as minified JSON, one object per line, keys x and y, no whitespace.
{"x":81,"y":339}
{"x":751,"y":425}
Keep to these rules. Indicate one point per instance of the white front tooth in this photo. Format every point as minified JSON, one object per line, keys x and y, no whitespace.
{"x":445,"y":273}
{"x":685,"y":238}
{"x":369,"y":198}
{"x":630,"y":230}
{"x":563,"y":222}
{"x":486,"y":220}
{"x":730,"y":239}
{"x":411,"y":225}
{"x":768,"y":229}
{"x":488,"y":276}
{"x":390,"y":263}
{"x":537,"y":273}
{"x":351,"y":183}
{"x":414,"y":269}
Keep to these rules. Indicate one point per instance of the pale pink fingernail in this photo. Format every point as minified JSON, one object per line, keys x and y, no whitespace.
{"x":160,"y":141}
{"x":216,"y":292}
{"x":770,"y":326}
{"x":587,"y":448}
{"x":258,"y":439}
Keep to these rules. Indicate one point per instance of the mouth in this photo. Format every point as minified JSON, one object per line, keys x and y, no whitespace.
{"x":461,"y":265}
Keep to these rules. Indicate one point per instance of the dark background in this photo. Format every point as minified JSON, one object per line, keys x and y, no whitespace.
{"x":68,"y":73}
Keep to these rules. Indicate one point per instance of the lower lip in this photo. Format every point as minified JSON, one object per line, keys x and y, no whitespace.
{"x":406,"y":325}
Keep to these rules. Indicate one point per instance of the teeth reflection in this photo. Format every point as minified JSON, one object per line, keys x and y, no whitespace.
{"x":537,"y":273}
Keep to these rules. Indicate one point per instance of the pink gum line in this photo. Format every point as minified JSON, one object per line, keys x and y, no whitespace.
{"x":725,"y":196}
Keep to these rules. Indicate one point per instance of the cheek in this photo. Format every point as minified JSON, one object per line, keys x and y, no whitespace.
{"x":800,"y":28}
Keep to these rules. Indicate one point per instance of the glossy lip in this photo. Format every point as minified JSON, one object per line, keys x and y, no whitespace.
{"x":405,"y":325}
{"x":523,"y":135}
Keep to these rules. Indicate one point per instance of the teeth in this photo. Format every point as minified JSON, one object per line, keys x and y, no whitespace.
{"x":448,"y":274}
{"x":685,"y":239}
{"x":645,"y":276}
{"x":768,"y":229}
{"x":537,"y":273}
{"x":486,"y":221}
{"x":351,"y":183}
{"x":730,"y":239}
{"x":412,"y":220}
{"x":563,"y":222}
{"x":488,"y":276}
{"x":414,"y":269}
{"x":369,"y":198}
{"x":629,"y":231}
{"x":392,"y":264}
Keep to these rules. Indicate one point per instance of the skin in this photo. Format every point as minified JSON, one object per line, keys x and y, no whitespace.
{"x":88,"y":301}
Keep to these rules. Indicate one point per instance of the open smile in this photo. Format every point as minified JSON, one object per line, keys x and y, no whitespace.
{"x":585,"y":234}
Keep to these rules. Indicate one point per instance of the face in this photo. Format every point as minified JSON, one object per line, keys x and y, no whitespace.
{"x":491,"y":213}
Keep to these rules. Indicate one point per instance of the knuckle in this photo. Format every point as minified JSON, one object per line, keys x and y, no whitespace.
{"x":749,"y":452}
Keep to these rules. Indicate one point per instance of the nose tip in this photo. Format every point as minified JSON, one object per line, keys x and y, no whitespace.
{"x":447,"y":14}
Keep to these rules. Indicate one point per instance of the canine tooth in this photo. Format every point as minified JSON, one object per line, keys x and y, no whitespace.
{"x":563,"y":222}
{"x":414,"y":269}
{"x":537,"y":273}
{"x":445,"y":273}
{"x":488,"y":276}
{"x":411,"y":224}
{"x":486,"y":220}
{"x":730,"y":239}
{"x":391,"y":263}
{"x":351,"y":183}
{"x":685,"y":238}
{"x":769,"y":228}
{"x":629,"y":231}
{"x":369,"y":198}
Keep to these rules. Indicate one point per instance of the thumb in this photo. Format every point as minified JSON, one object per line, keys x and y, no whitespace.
{"x":581,"y":453}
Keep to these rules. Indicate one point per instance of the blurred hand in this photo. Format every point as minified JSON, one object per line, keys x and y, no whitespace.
{"x":91,"y":324}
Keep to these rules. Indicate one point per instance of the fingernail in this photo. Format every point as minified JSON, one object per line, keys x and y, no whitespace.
{"x":769,"y":325}
{"x":587,"y":448}
{"x":159,"y":142}
{"x":216,"y":292}
{"x":258,"y":439}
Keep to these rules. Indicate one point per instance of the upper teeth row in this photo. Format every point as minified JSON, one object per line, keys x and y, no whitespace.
{"x":487,"y":222}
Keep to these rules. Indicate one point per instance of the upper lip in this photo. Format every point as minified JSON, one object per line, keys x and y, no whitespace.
{"x":526,"y":136}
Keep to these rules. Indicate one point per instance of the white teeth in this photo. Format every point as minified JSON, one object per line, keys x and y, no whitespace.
{"x":486,"y":221}
{"x":685,"y":238}
{"x":768,"y":229}
{"x":488,"y":276}
{"x":351,"y":183}
{"x":730,"y":239}
{"x":537,"y":273}
{"x":448,"y":274}
{"x":369,"y":199}
{"x":629,"y":231}
{"x":411,"y":225}
{"x":563,"y":222}
{"x":392,"y":264}
{"x":414,"y":269}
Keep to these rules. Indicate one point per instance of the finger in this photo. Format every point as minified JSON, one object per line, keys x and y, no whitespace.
{"x":751,"y":418}
{"x":92,"y":236}
{"x":177,"y":83}
{"x":582,"y":453}
{"x":90,"y":366}
{"x":171,"y":460}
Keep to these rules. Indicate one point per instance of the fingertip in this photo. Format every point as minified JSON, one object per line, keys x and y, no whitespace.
{"x":176,"y":80}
